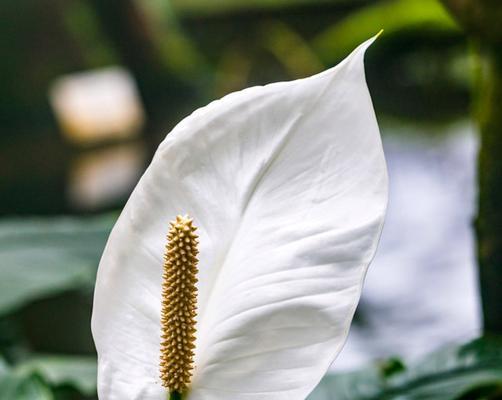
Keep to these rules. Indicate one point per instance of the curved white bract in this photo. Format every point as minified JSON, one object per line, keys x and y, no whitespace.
{"x":287,"y":184}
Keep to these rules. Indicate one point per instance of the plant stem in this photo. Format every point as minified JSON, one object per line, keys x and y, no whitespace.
{"x":175,"y":396}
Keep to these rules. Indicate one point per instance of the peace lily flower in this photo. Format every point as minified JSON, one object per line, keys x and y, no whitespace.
{"x":287,"y":188}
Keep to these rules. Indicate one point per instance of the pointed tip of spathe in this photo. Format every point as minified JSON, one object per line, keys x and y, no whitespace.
{"x":370,"y":41}
{"x":361,"y":49}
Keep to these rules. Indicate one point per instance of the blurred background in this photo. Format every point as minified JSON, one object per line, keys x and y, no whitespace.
{"x":89,"y":88}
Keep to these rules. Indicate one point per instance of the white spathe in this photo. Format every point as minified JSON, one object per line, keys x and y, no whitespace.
{"x":287,"y":184}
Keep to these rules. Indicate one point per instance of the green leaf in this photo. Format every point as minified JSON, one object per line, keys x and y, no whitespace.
{"x":363,"y":384}
{"x":78,"y":372}
{"x":472,"y":371}
{"x":451,"y":372}
{"x":34,"y":378}
{"x":392,"y":16}
{"x":41,"y":257}
{"x":19,"y":386}
{"x":4,"y":368}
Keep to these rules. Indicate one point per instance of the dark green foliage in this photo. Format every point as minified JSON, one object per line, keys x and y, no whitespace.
{"x":48,"y":269}
{"x":40,"y":258}
{"x":472,"y":371}
{"x":49,"y":378}
{"x":24,"y":388}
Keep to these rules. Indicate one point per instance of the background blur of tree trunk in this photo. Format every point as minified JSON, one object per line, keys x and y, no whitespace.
{"x":482,"y":20}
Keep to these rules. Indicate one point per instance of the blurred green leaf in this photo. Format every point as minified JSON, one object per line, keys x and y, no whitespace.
{"x":79,"y":372}
{"x":392,"y":16}
{"x":20,"y":387}
{"x":81,"y":25}
{"x":188,"y":63}
{"x":4,"y":368}
{"x":36,"y":378}
{"x":290,"y":49}
{"x":363,"y":384}
{"x":452,"y":373}
{"x":41,"y":257}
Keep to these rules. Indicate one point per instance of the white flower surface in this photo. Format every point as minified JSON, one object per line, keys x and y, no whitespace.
{"x":287,"y":184}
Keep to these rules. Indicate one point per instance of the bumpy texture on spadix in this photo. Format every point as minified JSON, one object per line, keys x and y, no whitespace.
{"x":179,"y":305}
{"x":288,"y":185}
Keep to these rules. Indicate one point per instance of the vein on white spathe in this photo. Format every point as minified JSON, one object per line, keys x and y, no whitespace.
{"x":287,"y":184}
